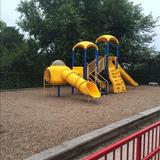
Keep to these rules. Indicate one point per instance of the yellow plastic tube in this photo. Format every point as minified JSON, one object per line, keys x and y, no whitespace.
{"x":60,"y":75}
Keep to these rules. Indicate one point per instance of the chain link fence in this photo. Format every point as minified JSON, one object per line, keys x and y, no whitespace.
{"x":144,"y":79}
{"x":16,"y":80}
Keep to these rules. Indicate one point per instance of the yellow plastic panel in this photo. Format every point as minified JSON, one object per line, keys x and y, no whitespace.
{"x":107,"y":38}
{"x":85,"y":87}
{"x":85,"y":45}
{"x":78,"y":70}
{"x":53,"y":75}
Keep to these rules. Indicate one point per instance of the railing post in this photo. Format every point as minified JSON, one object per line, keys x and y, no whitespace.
{"x":85,"y":64}
{"x":58,"y":91}
{"x":72,"y":90}
{"x":17,"y":76}
{"x":44,"y":87}
{"x":138,"y":148}
{"x":106,"y":58}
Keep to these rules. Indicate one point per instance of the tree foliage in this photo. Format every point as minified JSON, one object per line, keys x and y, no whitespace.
{"x":17,"y":54}
{"x":65,"y":22}
{"x":10,"y":42}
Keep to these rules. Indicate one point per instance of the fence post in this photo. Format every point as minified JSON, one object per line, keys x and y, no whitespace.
{"x":17,"y":80}
{"x":138,"y":151}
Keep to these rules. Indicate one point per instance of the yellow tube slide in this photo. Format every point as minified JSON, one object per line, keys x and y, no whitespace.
{"x":127,"y":77}
{"x":60,"y":75}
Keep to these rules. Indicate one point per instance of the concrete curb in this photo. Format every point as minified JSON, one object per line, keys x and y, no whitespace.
{"x":85,"y":142}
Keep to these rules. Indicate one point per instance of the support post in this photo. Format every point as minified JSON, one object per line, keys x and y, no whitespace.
{"x":58,"y":91}
{"x":72,"y":90}
{"x":106,"y":54}
{"x":73,"y":58}
{"x":44,"y":87}
{"x":96,"y":57}
{"x":85,"y":64}
{"x":117,"y":55}
{"x":138,"y":152}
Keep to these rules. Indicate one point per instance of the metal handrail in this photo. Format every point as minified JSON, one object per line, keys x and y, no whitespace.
{"x":99,"y":62}
{"x":95,"y":60}
{"x":152,"y":154}
{"x":91,"y":80}
{"x":100,"y":80}
{"x":93,"y":63}
{"x":102,"y":77}
{"x":127,"y":140}
{"x":95,"y":79}
{"x":90,"y":66}
{"x":91,"y":74}
{"x":105,"y":81}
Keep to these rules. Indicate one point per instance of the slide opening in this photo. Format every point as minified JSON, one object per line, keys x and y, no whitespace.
{"x":47,"y":75}
{"x":93,"y":90}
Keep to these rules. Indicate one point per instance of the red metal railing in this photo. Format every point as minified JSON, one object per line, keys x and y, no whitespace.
{"x":153,"y":155}
{"x":142,"y":145}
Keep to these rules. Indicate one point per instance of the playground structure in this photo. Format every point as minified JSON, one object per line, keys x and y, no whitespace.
{"x":88,"y":78}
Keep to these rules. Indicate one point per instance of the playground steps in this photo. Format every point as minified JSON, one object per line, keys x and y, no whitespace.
{"x":101,"y":82}
{"x":115,"y":77}
{"x":102,"y":86}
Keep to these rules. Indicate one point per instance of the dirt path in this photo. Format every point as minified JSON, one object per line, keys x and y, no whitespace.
{"x":31,"y":123}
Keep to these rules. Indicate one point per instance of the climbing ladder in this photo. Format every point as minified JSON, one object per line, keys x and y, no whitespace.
{"x":115,"y":77}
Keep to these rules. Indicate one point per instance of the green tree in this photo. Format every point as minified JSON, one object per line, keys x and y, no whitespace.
{"x":10,"y":41}
{"x":55,"y":24}
{"x":65,"y":22}
{"x":17,"y":54}
{"x":2,"y":25}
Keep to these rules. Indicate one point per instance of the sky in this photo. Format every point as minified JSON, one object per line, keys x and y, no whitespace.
{"x":10,"y":15}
